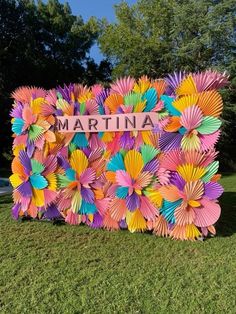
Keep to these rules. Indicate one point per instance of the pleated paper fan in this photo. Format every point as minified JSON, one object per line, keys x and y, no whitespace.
{"x":191,"y":117}
{"x":155,"y":196}
{"x":188,"y":232}
{"x":36,"y":166}
{"x":174,"y":79}
{"x":144,"y":179}
{"x":187,"y":86}
{"x":161,"y":226}
{"x":171,"y":159}
{"x":211,"y":170}
{"x":148,"y":210}
{"x":169,"y":141}
{"x":35,"y":132}
{"x":190,"y":142}
{"x":123,"y":85}
{"x":136,"y":221}
{"x":82,"y":165}
{"x":168,"y":104}
{"x":150,"y":96}
{"x":160,"y":86}
{"x":117,"y":209}
{"x":174,"y":124}
{"x":38,"y":181}
{"x":113,"y":102}
{"x":194,"y":157}
{"x":132,"y":201}
{"x":52,"y":181}
{"x":184,"y":102}
{"x":184,"y":215}
{"x":116,"y":163}
{"x":177,"y":181}
{"x":133,"y":99}
{"x":194,"y":190}
{"x":168,"y":210}
{"x":209,"y":125}
{"x":148,"y":152}
{"x":133,"y":163}
{"x":92,"y":107}
{"x":189,"y":172}
{"x":25,"y":93}
{"x":17,"y":126}
{"x":142,"y":85}
{"x":213,"y":190}
{"x":207,"y":214}
{"x":65,"y":107}
{"x":122,"y":192}
{"x":210,"y":80}
{"x":210,"y":103}
{"x":209,"y":140}
{"x":151,"y":166}
{"x":123,"y":178}
{"x":170,"y":193}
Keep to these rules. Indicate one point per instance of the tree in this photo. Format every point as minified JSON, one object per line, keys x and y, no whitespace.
{"x":45,"y":45}
{"x":156,"y":37}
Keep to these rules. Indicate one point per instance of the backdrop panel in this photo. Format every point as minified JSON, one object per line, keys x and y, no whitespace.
{"x":138,"y":155}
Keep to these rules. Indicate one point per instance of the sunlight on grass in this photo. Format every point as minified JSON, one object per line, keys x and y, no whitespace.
{"x":46,"y":268}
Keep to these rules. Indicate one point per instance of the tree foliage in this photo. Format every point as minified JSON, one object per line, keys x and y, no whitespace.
{"x":43,"y":44}
{"x":155,"y":37}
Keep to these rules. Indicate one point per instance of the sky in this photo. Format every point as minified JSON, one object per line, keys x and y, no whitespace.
{"x":98,"y":8}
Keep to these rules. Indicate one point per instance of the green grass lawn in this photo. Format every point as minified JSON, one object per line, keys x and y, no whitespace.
{"x":46,"y":268}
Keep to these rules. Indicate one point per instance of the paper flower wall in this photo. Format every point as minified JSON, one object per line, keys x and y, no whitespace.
{"x":164,"y":180}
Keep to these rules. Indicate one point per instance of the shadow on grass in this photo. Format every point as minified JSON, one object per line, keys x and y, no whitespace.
{"x":6,"y":199}
{"x":227,"y":174}
{"x":226,"y":225}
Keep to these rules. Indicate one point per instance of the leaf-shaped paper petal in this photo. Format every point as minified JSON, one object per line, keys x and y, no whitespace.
{"x":38,"y":181}
{"x":209,"y":125}
{"x":79,"y":161}
{"x":37,"y":167}
{"x":148,"y":152}
{"x":35,"y":132}
{"x":133,"y":163}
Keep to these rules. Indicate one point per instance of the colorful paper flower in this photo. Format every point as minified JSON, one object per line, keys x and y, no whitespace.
{"x":34,"y":182}
{"x":131,"y":174}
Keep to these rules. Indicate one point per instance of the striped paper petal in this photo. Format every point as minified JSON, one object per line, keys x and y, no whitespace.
{"x":25,"y":161}
{"x":25,"y":189}
{"x":191,"y":117}
{"x":87,"y":177}
{"x":171,"y":159}
{"x":17,"y":126}
{"x":132,"y":201}
{"x":213,"y":190}
{"x":123,"y":178}
{"x":116,"y":163}
{"x":207,"y":214}
{"x":148,"y":210}
{"x":52,"y":212}
{"x":123,"y":85}
{"x":151,"y":166}
{"x":209,"y":141}
{"x":117,"y":209}
{"x":38,"y":181}
{"x":168,"y":210}
{"x":87,"y":195}
{"x":170,"y":193}
{"x":169,"y":141}
{"x":209,"y":125}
